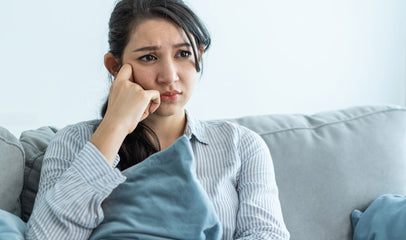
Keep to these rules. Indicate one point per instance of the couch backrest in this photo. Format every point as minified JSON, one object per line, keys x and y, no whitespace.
{"x":331,"y":163}
{"x":326,"y":165}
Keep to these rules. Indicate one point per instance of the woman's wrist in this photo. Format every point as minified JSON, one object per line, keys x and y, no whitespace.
{"x":108,"y":138}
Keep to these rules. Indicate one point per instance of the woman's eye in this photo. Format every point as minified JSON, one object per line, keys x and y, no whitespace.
{"x":148,"y":58}
{"x":183,"y":54}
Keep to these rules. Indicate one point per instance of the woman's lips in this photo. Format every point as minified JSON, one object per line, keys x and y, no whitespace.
{"x":169,"y":96}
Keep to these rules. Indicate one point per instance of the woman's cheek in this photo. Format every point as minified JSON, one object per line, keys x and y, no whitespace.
{"x":142,"y":77}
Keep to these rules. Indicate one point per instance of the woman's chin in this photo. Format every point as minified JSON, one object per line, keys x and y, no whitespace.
{"x":167,"y":110}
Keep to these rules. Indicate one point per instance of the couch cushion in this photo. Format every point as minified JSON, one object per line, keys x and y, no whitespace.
{"x":11,"y":172}
{"x":331,"y":163}
{"x":35,"y":143}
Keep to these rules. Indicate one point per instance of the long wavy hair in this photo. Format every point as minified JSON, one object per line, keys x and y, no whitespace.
{"x":127,"y":14}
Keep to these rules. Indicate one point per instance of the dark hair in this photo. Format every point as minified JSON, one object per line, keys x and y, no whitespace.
{"x":126,"y":15}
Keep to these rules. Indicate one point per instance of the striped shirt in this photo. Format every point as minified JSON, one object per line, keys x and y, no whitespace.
{"x":233,"y":165}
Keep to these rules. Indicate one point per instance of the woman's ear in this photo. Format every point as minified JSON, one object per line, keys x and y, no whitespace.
{"x":201,"y":51}
{"x":111,"y":63}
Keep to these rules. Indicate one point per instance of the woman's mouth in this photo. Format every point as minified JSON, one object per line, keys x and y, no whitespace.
{"x":170,"y":96}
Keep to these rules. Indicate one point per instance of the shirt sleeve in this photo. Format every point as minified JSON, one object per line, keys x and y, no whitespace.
{"x":75,"y":179}
{"x":259,"y":214}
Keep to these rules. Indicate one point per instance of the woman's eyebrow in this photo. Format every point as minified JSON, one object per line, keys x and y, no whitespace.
{"x":179,"y":45}
{"x":154,"y":48}
{"x":148,"y":48}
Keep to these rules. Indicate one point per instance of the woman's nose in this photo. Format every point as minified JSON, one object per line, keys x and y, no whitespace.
{"x":168,"y":73}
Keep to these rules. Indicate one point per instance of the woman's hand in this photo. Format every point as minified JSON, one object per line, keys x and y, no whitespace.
{"x":128,"y":105}
{"x":128,"y":102}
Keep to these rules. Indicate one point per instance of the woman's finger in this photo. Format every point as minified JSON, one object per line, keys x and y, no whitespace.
{"x":125,"y":73}
{"x":155,"y":100}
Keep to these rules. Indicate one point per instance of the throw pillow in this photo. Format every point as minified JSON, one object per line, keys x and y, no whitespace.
{"x":385,"y":218}
{"x":11,"y":226}
{"x":161,"y":199}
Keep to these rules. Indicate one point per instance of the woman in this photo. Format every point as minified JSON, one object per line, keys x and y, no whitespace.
{"x":155,"y":54}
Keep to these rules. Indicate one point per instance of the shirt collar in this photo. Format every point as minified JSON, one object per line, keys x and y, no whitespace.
{"x":195,"y":128}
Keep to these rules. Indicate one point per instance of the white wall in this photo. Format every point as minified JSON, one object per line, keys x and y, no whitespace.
{"x":267,"y":56}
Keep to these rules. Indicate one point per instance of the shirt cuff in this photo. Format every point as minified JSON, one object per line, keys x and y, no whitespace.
{"x":96,"y":171}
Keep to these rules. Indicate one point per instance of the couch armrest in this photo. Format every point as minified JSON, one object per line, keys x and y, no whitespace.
{"x":11,"y":172}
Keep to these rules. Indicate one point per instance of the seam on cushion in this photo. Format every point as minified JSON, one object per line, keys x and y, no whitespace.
{"x":31,"y":168}
{"x":21,"y":150}
{"x":28,"y":177}
{"x":332,"y":123}
{"x":29,"y":187}
{"x":33,"y":159}
{"x":15,"y":145}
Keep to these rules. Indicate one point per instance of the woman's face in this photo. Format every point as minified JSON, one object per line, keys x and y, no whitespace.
{"x":162,"y":59}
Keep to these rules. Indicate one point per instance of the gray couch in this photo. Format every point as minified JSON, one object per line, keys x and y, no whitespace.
{"x":326,"y":165}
